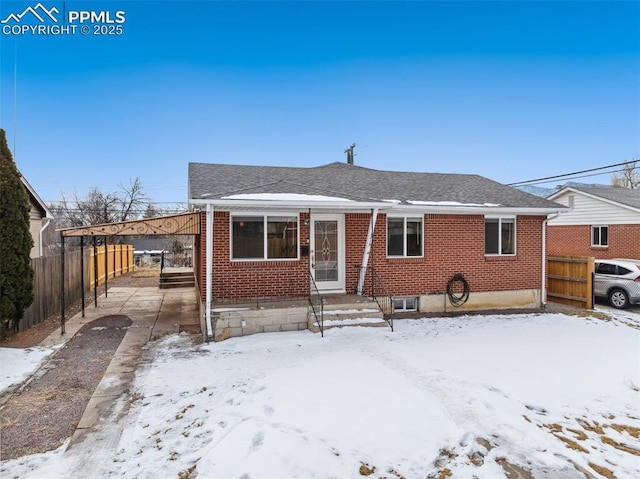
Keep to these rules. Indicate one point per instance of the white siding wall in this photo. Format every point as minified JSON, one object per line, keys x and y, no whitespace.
{"x":35,"y":223}
{"x":592,"y":211}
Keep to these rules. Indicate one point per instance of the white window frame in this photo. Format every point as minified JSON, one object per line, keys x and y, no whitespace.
{"x":599,"y":227}
{"x":404,"y":303}
{"x":500,"y":219}
{"x":404,"y":235}
{"x":265,"y":217}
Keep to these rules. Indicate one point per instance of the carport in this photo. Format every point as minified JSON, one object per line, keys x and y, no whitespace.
{"x":181,"y":224}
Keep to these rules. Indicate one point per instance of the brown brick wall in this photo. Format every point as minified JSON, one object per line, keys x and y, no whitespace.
{"x":455,"y":244}
{"x":255,"y":279}
{"x":624,"y":242}
{"x":452,"y":244}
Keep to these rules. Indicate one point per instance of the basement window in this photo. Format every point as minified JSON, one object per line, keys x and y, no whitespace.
{"x":405,"y":304}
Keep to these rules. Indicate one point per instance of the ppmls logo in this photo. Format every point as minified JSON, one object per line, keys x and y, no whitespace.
{"x":39,"y":20}
{"x":39,"y":12}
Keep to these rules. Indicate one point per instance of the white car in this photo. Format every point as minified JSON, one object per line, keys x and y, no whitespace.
{"x":618,"y":280}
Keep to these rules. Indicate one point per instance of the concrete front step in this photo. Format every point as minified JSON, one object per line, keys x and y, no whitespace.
{"x":351,"y":313}
{"x":177,"y":284}
{"x":177,"y":280}
{"x":365,"y":314}
{"x":342,"y":323}
{"x":181,"y":274}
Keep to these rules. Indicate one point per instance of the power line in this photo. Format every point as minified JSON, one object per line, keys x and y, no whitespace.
{"x":540,"y":180}
{"x":572,"y":178}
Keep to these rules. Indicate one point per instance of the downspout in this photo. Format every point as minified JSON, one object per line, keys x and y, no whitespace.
{"x":367,"y":251}
{"x":40,"y":233}
{"x":543,"y":290}
{"x":209,"y":271}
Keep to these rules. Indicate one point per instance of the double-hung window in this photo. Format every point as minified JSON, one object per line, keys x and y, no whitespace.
{"x":264,"y":237}
{"x":599,"y":236}
{"x":404,"y":236}
{"x":499,"y":236}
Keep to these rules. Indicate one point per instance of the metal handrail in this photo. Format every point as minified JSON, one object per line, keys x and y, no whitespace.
{"x":314,"y":293}
{"x":383,"y":298}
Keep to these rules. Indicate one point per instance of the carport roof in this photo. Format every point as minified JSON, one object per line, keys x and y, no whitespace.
{"x":182,"y":224}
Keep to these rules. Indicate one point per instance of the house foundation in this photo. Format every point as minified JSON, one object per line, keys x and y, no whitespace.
{"x":520,"y":299}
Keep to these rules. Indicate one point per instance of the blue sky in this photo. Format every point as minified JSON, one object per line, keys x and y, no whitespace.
{"x":508,"y":90}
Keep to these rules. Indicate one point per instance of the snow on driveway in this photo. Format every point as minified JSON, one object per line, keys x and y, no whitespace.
{"x":548,"y":392}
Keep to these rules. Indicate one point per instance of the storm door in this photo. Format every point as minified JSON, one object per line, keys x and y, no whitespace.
{"x":327,"y":252}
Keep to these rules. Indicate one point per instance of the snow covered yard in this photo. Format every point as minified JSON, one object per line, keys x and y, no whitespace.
{"x":18,"y":365}
{"x":445,"y":397}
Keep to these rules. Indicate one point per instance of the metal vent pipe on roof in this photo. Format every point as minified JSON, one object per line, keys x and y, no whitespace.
{"x":349,"y":152}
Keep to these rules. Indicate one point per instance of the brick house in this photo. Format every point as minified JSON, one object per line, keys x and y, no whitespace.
{"x":277,"y":232}
{"x":603,"y":222}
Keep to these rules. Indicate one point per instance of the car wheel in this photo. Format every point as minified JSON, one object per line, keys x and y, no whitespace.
{"x":618,"y":298}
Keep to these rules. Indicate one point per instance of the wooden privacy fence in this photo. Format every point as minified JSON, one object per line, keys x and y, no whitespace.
{"x":46,"y":278}
{"x":570,"y":280}
{"x":47,"y":286}
{"x":117,"y":261}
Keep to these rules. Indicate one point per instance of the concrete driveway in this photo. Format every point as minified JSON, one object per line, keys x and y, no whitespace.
{"x":154,"y":313}
{"x":604,"y":304}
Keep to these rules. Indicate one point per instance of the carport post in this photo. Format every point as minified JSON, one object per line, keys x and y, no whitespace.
{"x":95,"y":274}
{"x":62,"y":284}
{"x":106,"y":266}
{"x":82,"y":271}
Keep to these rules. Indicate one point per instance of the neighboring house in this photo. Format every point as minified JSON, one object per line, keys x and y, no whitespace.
{"x":147,"y":250}
{"x":152,"y":250}
{"x":39,"y":218}
{"x":603,"y":222}
{"x":267,"y":230}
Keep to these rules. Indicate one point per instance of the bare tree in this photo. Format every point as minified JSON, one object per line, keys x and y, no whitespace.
{"x":127,"y":203}
{"x":132,"y":199}
{"x":628,"y":177}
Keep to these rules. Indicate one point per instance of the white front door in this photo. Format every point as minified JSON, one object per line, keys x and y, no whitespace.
{"x":327,"y":252}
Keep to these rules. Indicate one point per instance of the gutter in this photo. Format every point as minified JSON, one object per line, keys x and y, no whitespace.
{"x":282,"y":204}
{"x":367,"y":206}
{"x":209,"y":271}
{"x":40,"y":233}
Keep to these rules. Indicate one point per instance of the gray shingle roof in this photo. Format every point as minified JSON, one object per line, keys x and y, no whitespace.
{"x":624,"y":196}
{"x":215,"y":181}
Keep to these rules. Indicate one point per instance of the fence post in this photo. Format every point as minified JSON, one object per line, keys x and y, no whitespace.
{"x":590,"y":281}
{"x":62,"y":284}
{"x":82,"y":272}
